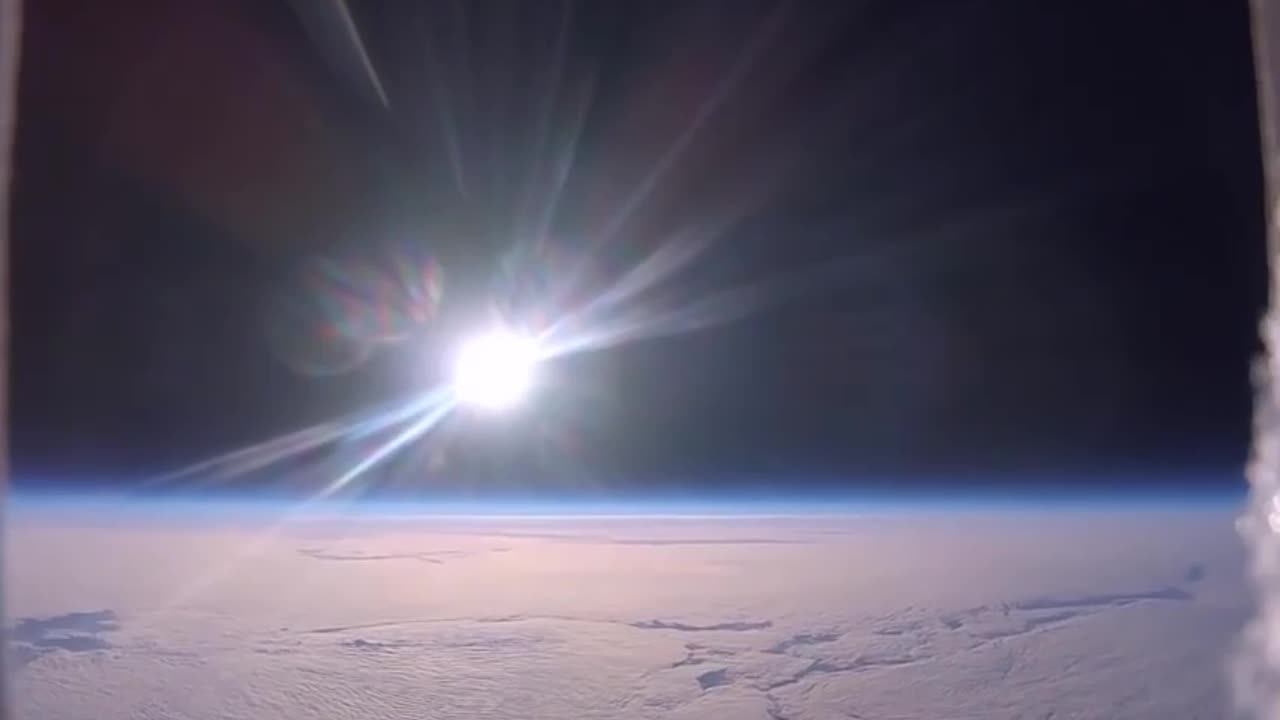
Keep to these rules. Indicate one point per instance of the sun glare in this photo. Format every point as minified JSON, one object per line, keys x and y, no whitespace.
{"x":494,"y":371}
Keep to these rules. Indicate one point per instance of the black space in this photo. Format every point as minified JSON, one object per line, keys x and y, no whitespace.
{"x":986,"y":238}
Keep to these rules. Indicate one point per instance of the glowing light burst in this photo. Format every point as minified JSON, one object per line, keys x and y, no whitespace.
{"x":344,"y":308}
{"x":494,"y":371}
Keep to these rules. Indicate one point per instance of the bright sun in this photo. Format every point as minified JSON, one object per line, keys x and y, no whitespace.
{"x":495,"y":370}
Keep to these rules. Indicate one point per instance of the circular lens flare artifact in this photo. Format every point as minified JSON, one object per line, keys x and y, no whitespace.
{"x":340,"y":307}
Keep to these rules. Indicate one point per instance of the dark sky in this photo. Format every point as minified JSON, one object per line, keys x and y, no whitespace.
{"x":978,"y":239}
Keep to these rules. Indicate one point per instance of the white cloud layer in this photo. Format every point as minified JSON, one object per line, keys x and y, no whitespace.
{"x":1115,"y":615}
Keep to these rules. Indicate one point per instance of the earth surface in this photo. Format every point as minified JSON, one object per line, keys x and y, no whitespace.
{"x":123,"y":611}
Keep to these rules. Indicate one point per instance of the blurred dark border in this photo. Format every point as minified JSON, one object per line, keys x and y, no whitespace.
{"x":10,"y":25}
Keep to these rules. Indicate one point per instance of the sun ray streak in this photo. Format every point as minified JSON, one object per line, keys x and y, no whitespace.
{"x":265,"y":454}
{"x":705,"y":111}
{"x":446,"y":116}
{"x":720,"y":308}
{"x":466,"y":98}
{"x":545,"y":115}
{"x":656,"y":268}
{"x":423,"y":425}
{"x":259,"y":455}
{"x":584,"y":331}
{"x":262,"y":540}
{"x":332,"y":27}
{"x":563,"y":164}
